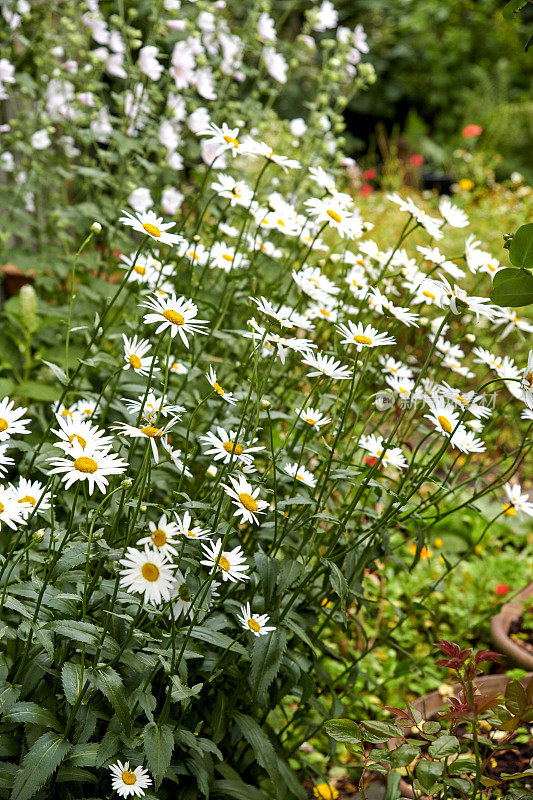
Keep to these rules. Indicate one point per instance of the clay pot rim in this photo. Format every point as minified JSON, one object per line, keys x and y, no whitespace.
{"x":499,"y":629}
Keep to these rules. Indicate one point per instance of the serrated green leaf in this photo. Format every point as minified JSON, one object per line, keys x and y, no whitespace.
{"x":218,"y":639}
{"x":267,"y":654}
{"x":158,"y":746}
{"x":71,"y":681}
{"x":39,"y":763}
{"x":259,"y":742}
{"x":109,"y":682}
{"x":28,"y":712}
{"x":343,"y":730}
{"x":85,"y":632}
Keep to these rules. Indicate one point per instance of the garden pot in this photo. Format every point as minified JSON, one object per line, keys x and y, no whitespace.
{"x":13,"y":278}
{"x":432,"y":703}
{"x":500,"y":625}
{"x":439,"y":181}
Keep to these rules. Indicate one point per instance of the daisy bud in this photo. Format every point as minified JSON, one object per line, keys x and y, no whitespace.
{"x":424,"y":321}
{"x":211,"y":471}
{"x":470,"y":338}
{"x":143,"y":508}
{"x":38,"y":536}
{"x":28,"y":307}
{"x":126,"y":483}
{"x":265,"y":403}
{"x":96,"y":227}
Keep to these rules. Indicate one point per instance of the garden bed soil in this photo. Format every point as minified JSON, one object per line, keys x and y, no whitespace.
{"x":523,"y":637}
{"x":504,"y":624}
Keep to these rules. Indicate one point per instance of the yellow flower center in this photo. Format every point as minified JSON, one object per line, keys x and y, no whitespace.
{"x":218,"y":389}
{"x":445,"y":423}
{"x":86,"y":464}
{"x":151,"y":431}
{"x":190,"y":534}
{"x":333,"y":215}
{"x":135,"y":361}
{"x":281,"y":223}
{"x":248,"y":501}
{"x":2,"y":506}
{"x":81,"y":441}
{"x":231,"y":447}
{"x":224,"y":564}
{"x":3,"y":425}
{"x":152,"y":230}
{"x":28,"y":499}
{"x":150,"y":572}
{"x":129,"y":777}
{"x":66,"y":413}
{"x":402,"y":390}
{"x":254,"y":625}
{"x":310,"y":421}
{"x":173,"y":316}
{"x":428,"y":294}
{"x":194,"y":254}
{"x":227,"y":257}
{"x":159,"y":537}
{"x":362,"y":339}
{"x":509,"y":510}
{"x":231,"y":140}
{"x":529,"y":379}
{"x":325,"y":312}
{"x":139,"y":270}
{"x":299,"y":477}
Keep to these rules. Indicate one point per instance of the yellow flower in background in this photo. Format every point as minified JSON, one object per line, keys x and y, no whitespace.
{"x":438,"y":542}
{"x":325,"y":791}
{"x":466,"y":184}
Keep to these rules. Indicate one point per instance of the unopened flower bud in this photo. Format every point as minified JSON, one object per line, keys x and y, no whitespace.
{"x":28,"y":308}
{"x":126,"y":483}
{"x":96,"y":227}
{"x":265,"y":403}
{"x":143,"y":508}
{"x":38,"y":536}
{"x":211,"y":471}
{"x":470,"y":338}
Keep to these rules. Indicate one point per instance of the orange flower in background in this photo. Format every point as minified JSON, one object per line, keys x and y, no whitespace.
{"x":325,"y":791}
{"x":425,"y":552}
{"x":501,"y":589}
{"x":466,"y":184}
{"x":368,"y":174}
{"x":416,"y":160}
{"x":471,"y":131}
{"x":366,"y":189}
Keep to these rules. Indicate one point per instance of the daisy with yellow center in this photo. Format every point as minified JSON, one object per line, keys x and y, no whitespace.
{"x":300,"y":474}
{"x":28,"y":494}
{"x":12,"y":420}
{"x":444,"y":417}
{"x":313,"y":417}
{"x":246,"y":499}
{"x":256,"y":623}
{"x":149,"y":224}
{"x":186,"y":529}
{"x":230,"y":565}
{"x":392,"y":456}
{"x":151,"y":432}
{"x":223,"y":139}
{"x":175,"y":313}
{"x":363,"y":336}
{"x":128,"y":782}
{"x":163,"y":536}
{"x":12,"y":512}
{"x":87,"y":464}
{"x":211,"y":376}
{"x":335,"y":211}
{"x":224,"y":447}
{"x":147,"y":572}
{"x":74,"y":431}
{"x":5,"y":461}
{"x":151,"y":407}
{"x":135,"y":351}
{"x":237,"y":192}
{"x":518,"y":502}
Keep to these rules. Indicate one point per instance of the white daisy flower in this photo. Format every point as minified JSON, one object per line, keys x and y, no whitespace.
{"x":76,"y":431}
{"x":514,"y":322}
{"x":142,"y":269}
{"x":318,"y":311}
{"x":466,"y":441}
{"x":263,"y":149}
{"x":126,"y":781}
{"x":527,"y":413}
{"x":12,"y":419}
{"x":300,"y":474}
{"x":314,"y":283}
{"x":5,"y":461}
{"x":211,"y":376}
{"x":231,"y":563}
{"x":467,"y":400}
{"x":266,"y":307}
{"x":148,"y":223}
{"x":152,"y":407}
{"x":484,"y":356}
{"x":177,"y":366}
{"x":135,"y":356}
{"x":182,"y":600}
{"x":237,"y":192}
{"x":196,"y":253}
{"x":28,"y":494}
{"x":443,"y":416}
{"x":162,"y":536}
{"x":335,"y":213}
{"x":176,"y":313}
{"x":150,"y":432}
{"x":363,"y":336}
{"x":453,"y":215}
{"x":11,"y":511}
{"x":87,"y":464}
{"x":223,"y":446}
{"x":226,"y":258}
{"x":391,"y":457}
{"x":526,"y":384}
{"x":322,"y":364}
{"x":225,"y":138}
{"x":517,"y":501}
{"x":313,"y":417}
{"x":189,"y":531}
{"x":394,"y":367}
{"x":147,"y":572}
{"x":459,"y":301}
{"x":86,"y":408}
{"x":400,"y":384}
{"x":246,"y":498}
{"x":257,"y":623}
{"x":323,"y":178}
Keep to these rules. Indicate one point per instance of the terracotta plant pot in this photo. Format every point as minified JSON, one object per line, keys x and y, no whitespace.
{"x":432,"y":703}
{"x":14,"y":278}
{"x":500,"y":625}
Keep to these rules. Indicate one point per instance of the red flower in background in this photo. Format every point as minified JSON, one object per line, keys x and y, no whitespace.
{"x":501,"y":589}
{"x":471,"y":131}
{"x":369,"y":174}
{"x":366,"y":189}
{"x":417,"y":160}
{"x":370,"y":460}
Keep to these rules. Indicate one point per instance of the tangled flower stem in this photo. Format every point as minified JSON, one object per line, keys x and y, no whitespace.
{"x":72,"y":280}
